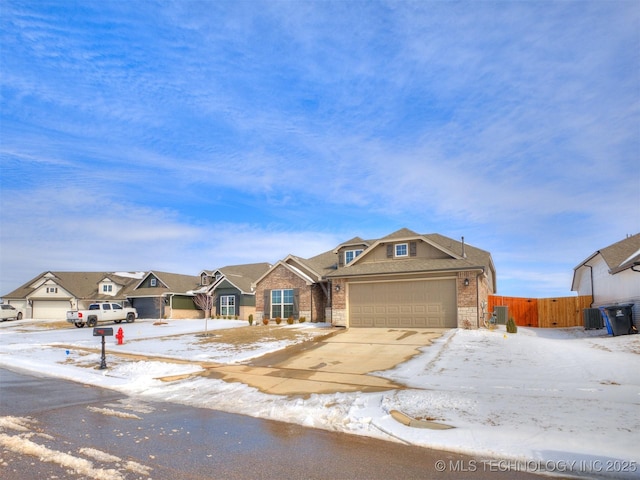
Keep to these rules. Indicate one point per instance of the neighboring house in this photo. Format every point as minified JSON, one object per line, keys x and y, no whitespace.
{"x":611,"y":275}
{"x":51,"y":294}
{"x":402,"y":280}
{"x":232,"y":288}
{"x":166,"y":295}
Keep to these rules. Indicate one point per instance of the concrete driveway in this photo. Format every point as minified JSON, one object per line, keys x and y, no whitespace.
{"x":341,"y":362}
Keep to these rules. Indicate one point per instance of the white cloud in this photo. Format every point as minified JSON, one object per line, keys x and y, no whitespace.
{"x":70,"y":231}
{"x":511,"y":123}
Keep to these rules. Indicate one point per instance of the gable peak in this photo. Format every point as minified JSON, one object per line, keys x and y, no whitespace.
{"x":402,"y":233}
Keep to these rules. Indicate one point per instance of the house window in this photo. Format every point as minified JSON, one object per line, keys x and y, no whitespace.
{"x":107,"y":288}
{"x":52,"y":289}
{"x":351,"y":254}
{"x":402,"y":250}
{"x":282,"y":303}
{"x":153,"y":282}
{"x":227,"y":305}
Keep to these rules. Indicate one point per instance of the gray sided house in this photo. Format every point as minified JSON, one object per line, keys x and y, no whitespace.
{"x":232,"y":288}
{"x":165,"y":295}
{"x":611,"y":276}
{"x":405,"y":279}
{"x":51,"y":294}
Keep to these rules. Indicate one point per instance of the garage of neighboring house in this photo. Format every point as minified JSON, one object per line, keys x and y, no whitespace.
{"x":50,"y":309}
{"x":403,"y":303}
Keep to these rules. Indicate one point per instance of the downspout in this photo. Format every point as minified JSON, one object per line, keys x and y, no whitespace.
{"x":311,"y":314}
{"x":478,"y":296}
{"x":592,"y":293}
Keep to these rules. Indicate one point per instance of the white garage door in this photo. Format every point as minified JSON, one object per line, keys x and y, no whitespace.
{"x":416,"y":303}
{"x":51,"y":309}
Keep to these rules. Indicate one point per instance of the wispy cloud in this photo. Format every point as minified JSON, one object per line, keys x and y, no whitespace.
{"x":514,"y":124}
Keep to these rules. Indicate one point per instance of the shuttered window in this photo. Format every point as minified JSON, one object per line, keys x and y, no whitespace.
{"x":401,"y":250}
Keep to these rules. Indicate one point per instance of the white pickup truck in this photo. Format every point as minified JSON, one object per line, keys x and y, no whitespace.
{"x":101,"y":312}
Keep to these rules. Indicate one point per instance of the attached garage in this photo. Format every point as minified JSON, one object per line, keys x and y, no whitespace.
{"x":51,"y":309}
{"x":410,"y":303}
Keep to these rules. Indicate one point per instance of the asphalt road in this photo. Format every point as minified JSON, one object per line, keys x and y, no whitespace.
{"x":75,"y":431}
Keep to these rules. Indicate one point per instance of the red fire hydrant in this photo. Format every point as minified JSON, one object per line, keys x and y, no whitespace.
{"x":120,"y":336}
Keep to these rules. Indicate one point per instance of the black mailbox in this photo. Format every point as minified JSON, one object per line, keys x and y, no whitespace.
{"x":103,"y":332}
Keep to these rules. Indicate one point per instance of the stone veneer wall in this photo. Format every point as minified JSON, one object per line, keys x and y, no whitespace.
{"x":339,"y":303}
{"x":470,"y":299}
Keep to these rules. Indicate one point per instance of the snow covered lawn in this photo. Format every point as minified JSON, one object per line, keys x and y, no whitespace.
{"x":564,"y":401}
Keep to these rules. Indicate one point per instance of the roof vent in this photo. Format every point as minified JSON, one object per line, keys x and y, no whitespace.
{"x":464,"y":254}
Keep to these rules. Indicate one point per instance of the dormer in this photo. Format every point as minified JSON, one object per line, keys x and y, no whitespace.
{"x":349,"y":250}
{"x":108,"y":287}
{"x":205,"y":278}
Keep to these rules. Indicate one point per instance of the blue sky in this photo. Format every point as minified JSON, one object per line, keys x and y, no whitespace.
{"x":189,"y":135}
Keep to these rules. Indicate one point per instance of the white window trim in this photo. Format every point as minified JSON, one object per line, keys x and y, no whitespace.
{"x":153,"y":282}
{"x":282,"y":304}
{"x":395,"y":250}
{"x":224,"y":302}
{"x":355,"y":252}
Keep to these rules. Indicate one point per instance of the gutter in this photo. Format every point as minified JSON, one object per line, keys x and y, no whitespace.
{"x":409,"y":272}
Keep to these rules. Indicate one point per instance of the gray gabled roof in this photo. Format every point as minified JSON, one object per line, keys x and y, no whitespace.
{"x":325,"y":265}
{"x":243,"y":276}
{"x":473,"y":258}
{"x":82,"y":285}
{"x":171,"y":283}
{"x":355,"y":241}
{"x":618,"y":256}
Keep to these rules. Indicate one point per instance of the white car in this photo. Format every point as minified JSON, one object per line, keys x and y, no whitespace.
{"x":7,"y":312}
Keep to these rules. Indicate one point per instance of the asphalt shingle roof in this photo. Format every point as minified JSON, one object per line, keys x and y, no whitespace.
{"x":243,"y":276}
{"x":83,"y":285}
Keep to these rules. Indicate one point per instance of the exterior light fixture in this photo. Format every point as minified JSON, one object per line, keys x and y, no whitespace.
{"x":466,"y":282}
{"x":337,"y":288}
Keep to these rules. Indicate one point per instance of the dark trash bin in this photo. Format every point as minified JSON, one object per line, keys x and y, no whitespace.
{"x":620,"y":319}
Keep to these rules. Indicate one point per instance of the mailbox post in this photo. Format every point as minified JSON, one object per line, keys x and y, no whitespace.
{"x":103,"y":332}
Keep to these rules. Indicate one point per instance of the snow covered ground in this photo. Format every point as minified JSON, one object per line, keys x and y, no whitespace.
{"x":560,"y":401}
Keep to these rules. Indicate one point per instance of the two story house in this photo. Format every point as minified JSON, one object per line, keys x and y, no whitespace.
{"x":404,"y":279}
{"x":51,"y":294}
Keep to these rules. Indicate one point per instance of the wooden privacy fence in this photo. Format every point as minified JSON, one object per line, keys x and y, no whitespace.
{"x":559,"y":312}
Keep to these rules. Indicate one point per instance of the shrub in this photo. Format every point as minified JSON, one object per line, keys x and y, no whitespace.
{"x":265,"y":321}
{"x":278,"y":320}
{"x":466,"y":324}
{"x":236,"y":317}
{"x":511,"y":326}
{"x":290,"y":320}
{"x":302,"y":319}
{"x":251,"y":319}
